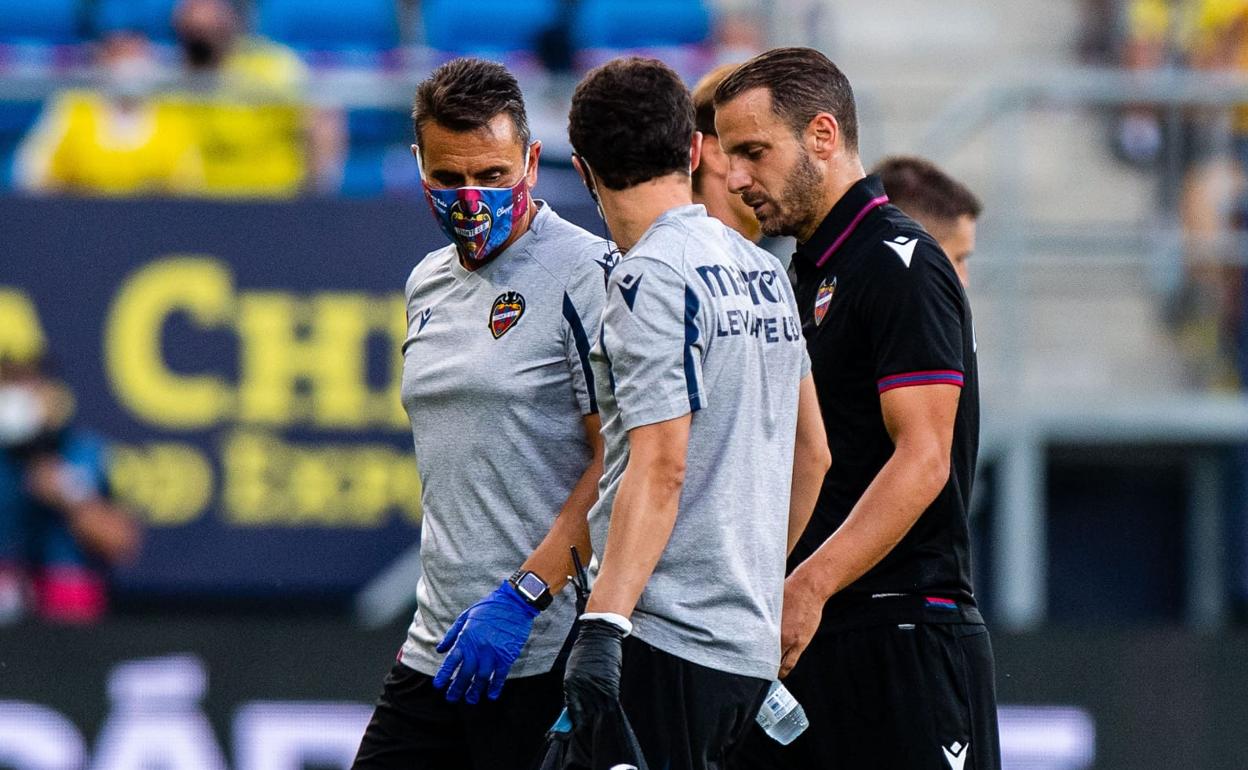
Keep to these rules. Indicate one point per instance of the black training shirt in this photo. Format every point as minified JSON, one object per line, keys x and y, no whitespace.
{"x":882,"y":308}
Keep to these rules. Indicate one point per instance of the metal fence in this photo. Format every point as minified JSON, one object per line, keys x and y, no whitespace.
{"x":1001,"y":127}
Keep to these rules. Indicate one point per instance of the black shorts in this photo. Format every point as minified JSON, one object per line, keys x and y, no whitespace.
{"x":685,"y":716}
{"x":415,"y":728}
{"x":900,"y":696}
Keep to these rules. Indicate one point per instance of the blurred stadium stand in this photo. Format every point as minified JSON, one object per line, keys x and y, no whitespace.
{"x":641,"y":24}
{"x":153,"y":18}
{"x":488,"y":28}
{"x":1112,"y":540}
{"x":49,"y":22}
{"x":16,"y":120}
{"x":330,"y":25}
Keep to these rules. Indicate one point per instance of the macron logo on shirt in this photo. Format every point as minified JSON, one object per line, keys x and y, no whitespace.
{"x":424,"y":319}
{"x":904,"y":247}
{"x":628,"y":289}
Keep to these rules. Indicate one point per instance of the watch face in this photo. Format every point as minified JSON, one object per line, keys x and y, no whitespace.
{"x":531,"y":585}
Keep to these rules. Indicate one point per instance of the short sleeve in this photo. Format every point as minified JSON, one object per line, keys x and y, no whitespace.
{"x":913,"y":318}
{"x":652,"y":338}
{"x":582,"y":313}
{"x":791,"y":301}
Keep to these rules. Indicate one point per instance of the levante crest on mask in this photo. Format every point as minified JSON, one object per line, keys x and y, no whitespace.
{"x":471,"y":221}
{"x":506,"y":312}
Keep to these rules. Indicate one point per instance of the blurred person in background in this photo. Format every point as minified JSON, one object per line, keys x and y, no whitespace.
{"x":498,"y":386}
{"x":243,"y":99}
{"x":117,"y":140}
{"x":1206,"y":310}
{"x":946,"y":208}
{"x":59,"y":533}
{"x":710,"y":178}
{"x":882,"y":640}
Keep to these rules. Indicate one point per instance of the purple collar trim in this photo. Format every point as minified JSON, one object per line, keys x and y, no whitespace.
{"x":874,"y":203}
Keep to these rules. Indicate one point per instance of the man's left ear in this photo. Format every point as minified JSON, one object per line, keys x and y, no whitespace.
{"x":821,"y":135}
{"x":695,"y":151}
{"x":535,"y":156}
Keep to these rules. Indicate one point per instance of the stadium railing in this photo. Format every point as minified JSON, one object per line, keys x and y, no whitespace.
{"x":992,"y":120}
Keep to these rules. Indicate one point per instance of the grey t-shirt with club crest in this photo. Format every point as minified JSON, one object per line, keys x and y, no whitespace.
{"x":496,"y":381}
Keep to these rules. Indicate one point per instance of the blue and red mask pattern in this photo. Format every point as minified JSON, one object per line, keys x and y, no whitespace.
{"x":478,"y":220}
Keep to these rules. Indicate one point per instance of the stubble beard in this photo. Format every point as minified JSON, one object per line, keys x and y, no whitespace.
{"x":798,"y":205}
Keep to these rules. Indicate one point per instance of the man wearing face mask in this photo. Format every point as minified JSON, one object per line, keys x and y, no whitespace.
{"x":497,"y":384}
{"x":115,"y":140}
{"x":58,"y":531}
{"x":241,"y":98}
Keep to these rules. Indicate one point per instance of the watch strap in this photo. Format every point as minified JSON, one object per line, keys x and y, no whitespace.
{"x":542,"y":600}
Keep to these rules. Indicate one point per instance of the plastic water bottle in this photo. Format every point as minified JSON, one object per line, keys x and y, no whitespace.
{"x":781,"y":716}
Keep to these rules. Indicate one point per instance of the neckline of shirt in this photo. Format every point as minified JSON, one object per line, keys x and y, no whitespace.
{"x":684,"y":211}
{"x":519,"y":247}
{"x":863,"y":197}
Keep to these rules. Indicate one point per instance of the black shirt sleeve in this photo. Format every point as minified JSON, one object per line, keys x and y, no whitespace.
{"x":913,"y":313}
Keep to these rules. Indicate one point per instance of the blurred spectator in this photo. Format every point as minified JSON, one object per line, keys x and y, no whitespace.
{"x":1098,"y":31}
{"x":1200,"y":34}
{"x":1206,"y":35}
{"x":710,"y":178}
{"x":252,"y":132}
{"x":58,"y":531}
{"x":946,"y":208}
{"x":115,"y":141}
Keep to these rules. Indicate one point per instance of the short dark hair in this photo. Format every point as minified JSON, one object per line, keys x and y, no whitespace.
{"x":802,"y":83}
{"x":918,"y":186}
{"x":632,"y":121}
{"x":465,"y":94}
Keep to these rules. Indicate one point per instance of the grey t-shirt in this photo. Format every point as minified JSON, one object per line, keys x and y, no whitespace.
{"x":700,"y":320}
{"x":496,"y":381}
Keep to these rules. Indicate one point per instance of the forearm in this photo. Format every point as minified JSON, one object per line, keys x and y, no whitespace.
{"x":808,"y":477}
{"x":641,"y":524}
{"x":551,"y":560}
{"x":903,"y":489}
{"x":811,"y":460}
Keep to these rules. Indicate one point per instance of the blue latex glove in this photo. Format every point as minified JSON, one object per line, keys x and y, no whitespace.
{"x":486,"y":640}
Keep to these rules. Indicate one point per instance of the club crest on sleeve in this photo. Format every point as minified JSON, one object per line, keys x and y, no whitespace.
{"x":507,"y":309}
{"x":823,"y":298}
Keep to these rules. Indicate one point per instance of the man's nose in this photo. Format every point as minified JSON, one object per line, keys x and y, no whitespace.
{"x":739,"y":180}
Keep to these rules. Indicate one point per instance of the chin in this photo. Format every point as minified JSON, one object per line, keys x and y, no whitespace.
{"x":773,"y":228}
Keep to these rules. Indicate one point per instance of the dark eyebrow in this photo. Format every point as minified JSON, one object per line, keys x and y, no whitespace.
{"x":745,"y":146}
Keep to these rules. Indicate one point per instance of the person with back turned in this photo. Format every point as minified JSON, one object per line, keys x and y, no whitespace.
{"x":714,"y":445}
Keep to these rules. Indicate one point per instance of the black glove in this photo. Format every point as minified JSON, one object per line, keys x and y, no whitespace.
{"x":591,"y":682}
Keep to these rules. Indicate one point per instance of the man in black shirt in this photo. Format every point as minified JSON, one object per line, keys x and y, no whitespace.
{"x":881,"y":639}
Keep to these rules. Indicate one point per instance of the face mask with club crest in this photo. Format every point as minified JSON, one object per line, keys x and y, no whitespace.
{"x":478,"y":220}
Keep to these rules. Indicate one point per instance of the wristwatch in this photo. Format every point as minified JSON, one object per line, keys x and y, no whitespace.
{"x":532,"y":588}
